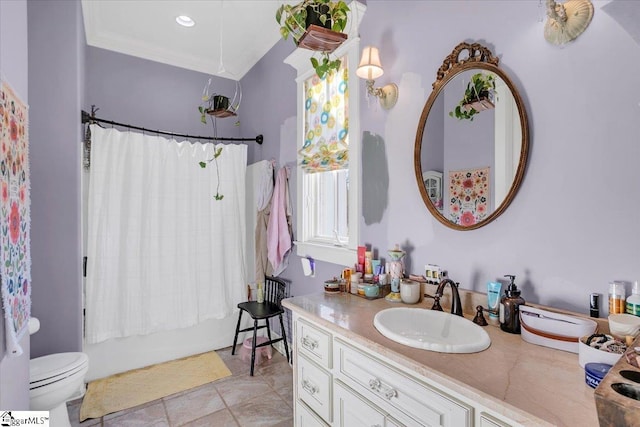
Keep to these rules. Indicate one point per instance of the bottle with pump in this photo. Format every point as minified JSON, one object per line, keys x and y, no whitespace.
{"x":633,"y":301}
{"x":510,"y":307}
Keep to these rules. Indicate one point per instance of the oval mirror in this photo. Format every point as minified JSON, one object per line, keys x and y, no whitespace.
{"x":472,"y":141}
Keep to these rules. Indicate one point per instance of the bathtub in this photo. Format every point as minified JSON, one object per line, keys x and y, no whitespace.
{"x":122,"y":354}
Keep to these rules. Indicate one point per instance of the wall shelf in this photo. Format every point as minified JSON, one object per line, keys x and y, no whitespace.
{"x":221,"y":112}
{"x":321,"y":39}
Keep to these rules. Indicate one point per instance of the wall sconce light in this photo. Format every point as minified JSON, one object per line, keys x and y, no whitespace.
{"x":370,"y":69}
{"x":566,"y":21}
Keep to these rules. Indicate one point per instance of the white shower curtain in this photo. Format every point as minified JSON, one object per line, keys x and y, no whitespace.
{"x":162,"y":253}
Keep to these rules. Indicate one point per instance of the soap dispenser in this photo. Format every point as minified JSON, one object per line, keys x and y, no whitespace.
{"x":510,"y":308}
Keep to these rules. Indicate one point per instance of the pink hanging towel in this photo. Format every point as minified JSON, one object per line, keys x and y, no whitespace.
{"x":279,"y":240}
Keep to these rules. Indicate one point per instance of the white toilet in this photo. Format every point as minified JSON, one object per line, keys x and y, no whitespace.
{"x":54,"y":379}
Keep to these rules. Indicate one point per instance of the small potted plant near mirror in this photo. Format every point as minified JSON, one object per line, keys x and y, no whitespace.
{"x":316,"y":25}
{"x":478,"y":96}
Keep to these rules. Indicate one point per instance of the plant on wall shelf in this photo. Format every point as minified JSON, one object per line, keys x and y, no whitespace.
{"x":478,"y":96}
{"x":295,"y":20}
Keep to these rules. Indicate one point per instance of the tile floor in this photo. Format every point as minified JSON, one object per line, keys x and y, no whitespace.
{"x":264,"y":400}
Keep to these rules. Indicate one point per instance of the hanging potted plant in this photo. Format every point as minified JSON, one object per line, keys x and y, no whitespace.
{"x":215,"y":105}
{"x":478,"y":96}
{"x":316,"y":25}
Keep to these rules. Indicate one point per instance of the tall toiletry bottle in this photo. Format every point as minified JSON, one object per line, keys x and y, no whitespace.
{"x":594,"y":305}
{"x":633,"y":301}
{"x":617,"y":303}
{"x":493,"y":298}
{"x":510,"y":308}
{"x":260,"y":295}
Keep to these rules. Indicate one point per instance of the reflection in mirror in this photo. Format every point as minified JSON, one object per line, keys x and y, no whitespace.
{"x":472,"y":141}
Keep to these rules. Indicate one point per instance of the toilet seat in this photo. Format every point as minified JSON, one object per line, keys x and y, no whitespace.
{"x":52,"y":368}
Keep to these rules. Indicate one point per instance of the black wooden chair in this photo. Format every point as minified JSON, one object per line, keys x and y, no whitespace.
{"x":274,"y":292}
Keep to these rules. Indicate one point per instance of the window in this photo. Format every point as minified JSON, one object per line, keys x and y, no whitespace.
{"x":328,"y":216}
{"x":328,"y":208}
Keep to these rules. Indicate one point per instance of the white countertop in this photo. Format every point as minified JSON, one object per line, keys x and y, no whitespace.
{"x":529,"y":384}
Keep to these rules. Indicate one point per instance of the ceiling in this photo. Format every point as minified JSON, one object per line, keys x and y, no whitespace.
{"x":229,"y":36}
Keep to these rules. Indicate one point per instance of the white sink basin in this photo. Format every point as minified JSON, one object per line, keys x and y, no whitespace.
{"x":431,"y":330}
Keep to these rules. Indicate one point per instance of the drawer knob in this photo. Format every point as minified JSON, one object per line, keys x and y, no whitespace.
{"x":388,"y":392}
{"x":309,"y":343}
{"x":311,"y":388}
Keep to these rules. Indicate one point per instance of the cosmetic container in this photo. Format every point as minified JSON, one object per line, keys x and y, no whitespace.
{"x":356,"y":278}
{"x":510,"y":308}
{"x":260,"y":294}
{"x":493,"y":298}
{"x":595,"y":372}
{"x":368,"y":266}
{"x":594,"y":305}
{"x":633,"y":301}
{"x":616,"y":298}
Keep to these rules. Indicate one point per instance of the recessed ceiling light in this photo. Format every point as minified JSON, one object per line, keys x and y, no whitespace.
{"x":185,"y":21}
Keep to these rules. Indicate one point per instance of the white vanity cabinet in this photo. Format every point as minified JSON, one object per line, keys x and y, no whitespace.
{"x":341,"y":384}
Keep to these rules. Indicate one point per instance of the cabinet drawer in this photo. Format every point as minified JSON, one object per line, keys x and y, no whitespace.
{"x":487,"y":420}
{"x":305,"y":417}
{"x":382,"y":383}
{"x":314,"y":387}
{"x":314,"y":343}
{"x":350,"y":409}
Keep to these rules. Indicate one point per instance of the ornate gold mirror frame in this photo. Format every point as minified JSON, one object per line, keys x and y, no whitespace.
{"x":480,"y":58}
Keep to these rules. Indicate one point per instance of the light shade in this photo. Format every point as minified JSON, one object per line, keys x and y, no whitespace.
{"x":185,"y":21}
{"x":370,"y":67}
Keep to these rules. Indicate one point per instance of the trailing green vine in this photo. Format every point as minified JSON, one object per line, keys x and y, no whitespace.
{"x":217,"y":152}
{"x":203,"y":165}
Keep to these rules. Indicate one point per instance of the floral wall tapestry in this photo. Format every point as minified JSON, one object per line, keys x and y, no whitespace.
{"x":15,"y":255}
{"x":469,"y":195}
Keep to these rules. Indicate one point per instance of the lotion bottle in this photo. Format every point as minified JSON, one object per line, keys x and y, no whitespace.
{"x":510,"y":307}
{"x":633,"y":300}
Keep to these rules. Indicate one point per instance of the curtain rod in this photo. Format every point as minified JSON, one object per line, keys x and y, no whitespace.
{"x":88,"y":118}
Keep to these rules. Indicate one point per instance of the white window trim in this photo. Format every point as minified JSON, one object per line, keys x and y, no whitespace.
{"x":299,"y":59}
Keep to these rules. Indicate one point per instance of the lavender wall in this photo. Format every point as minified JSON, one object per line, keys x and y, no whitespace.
{"x":571,"y":228}
{"x":56,"y":69}
{"x":14,"y":371}
{"x":269,"y":98}
{"x":152,"y":95}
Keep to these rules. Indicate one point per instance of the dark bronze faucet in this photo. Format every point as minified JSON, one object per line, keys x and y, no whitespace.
{"x":456,"y":304}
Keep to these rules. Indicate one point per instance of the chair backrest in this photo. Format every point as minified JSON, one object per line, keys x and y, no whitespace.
{"x":275,"y":290}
